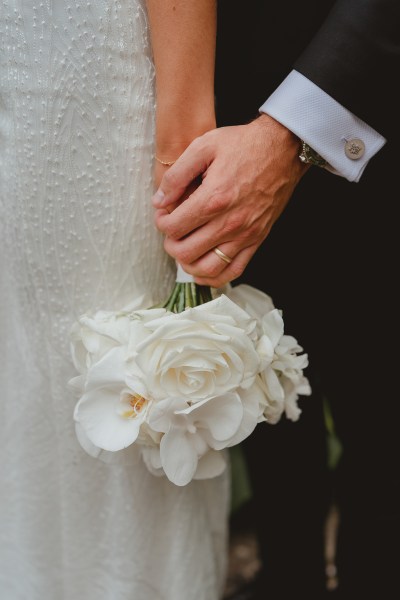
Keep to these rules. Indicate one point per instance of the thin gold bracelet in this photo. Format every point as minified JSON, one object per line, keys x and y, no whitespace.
{"x":166,"y":163}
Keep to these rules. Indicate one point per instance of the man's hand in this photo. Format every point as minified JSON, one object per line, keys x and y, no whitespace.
{"x":248,"y":175}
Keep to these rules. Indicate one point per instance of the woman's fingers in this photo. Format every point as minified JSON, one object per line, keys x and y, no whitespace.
{"x":185,"y":218}
{"x":193,"y":162}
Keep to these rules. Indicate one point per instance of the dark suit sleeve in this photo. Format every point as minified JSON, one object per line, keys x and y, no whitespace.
{"x":355,"y":58}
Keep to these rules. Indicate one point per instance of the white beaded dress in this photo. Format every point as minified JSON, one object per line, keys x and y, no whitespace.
{"x":77,"y":234}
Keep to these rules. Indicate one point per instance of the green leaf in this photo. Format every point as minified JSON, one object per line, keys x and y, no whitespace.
{"x":240,"y":483}
{"x":334,"y":445}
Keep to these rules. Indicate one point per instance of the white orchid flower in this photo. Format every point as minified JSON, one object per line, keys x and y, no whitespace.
{"x":191,"y":431}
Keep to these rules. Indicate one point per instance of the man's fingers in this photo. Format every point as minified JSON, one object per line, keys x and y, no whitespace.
{"x":212,"y":263}
{"x":230,"y":271}
{"x":187,"y":217}
{"x":192,"y":163}
{"x":192,"y":247}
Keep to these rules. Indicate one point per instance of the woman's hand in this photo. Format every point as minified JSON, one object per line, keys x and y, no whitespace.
{"x":159,"y":171}
{"x":183,"y":39}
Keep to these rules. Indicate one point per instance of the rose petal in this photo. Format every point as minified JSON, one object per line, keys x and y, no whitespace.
{"x":103,"y":328}
{"x":108,"y":371}
{"x":272,"y":325}
{"x":288,"y":342}
{"x":273,"y":387}
{"x":265,"y":349}
{"x":225,"y":306}
{"x":252,"y":300}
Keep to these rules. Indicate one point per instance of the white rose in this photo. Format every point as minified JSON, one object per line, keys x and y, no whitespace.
{"x":94,"y":335}
{"x":282,"y":374}
{"x":271,"y":334}
{"x":202,"y":352}
{"x":287,"y":359}
{"x":253,"y":301}
{"x":292,"y":391}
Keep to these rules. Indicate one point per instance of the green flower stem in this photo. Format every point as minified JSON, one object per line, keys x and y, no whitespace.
{"x":187,"y":295}
{"x":180,"y":306}
{"x":173,"y":297}
{"x":204,"y":293}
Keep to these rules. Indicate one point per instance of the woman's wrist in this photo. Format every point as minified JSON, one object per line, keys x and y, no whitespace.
{"x":172,"y":139}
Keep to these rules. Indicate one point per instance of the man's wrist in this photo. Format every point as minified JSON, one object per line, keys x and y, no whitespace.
{"x":309,"y":156}
{"x":329,"y":128}
{"x":283,"y":137}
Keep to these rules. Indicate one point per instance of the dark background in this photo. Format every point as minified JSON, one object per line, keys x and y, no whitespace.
{"x":330,"y":263}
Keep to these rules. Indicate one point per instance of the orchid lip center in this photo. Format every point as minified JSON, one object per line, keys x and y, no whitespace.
{"x":131,"y":405}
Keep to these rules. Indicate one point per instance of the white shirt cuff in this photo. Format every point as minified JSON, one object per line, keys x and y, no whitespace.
{"x":324,"y":124}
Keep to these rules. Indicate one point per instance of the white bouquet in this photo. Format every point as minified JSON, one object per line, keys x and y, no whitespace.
{"x":185,"y":381}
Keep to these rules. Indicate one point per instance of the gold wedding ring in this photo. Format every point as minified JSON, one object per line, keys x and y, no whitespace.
{"x":222,"y":255}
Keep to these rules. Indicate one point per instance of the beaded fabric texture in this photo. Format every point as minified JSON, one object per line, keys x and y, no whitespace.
{"x":77,"y":234}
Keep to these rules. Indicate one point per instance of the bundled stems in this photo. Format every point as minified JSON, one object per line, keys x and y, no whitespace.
{"x":187,"y":295}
